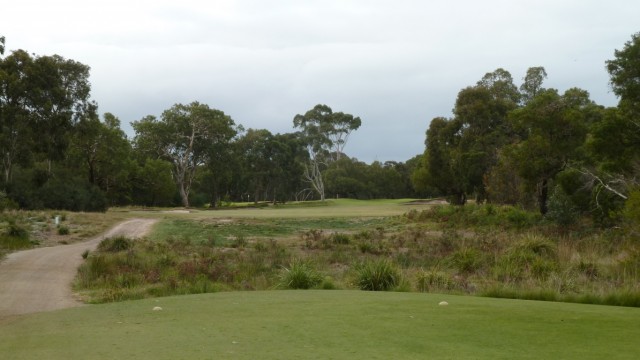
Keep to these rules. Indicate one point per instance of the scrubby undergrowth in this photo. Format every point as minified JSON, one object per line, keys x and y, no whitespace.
{"x":479,"y":250}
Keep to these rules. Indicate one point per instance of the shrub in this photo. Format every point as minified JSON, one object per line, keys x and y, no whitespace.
{"x":631,"y":211}
{"x":466,"y":260}
{"x":341,"y":239}
{"x":115,"y":244}
{"x":562,"y":210}
{"x":589,"y":269}
{"x":239,"y":242}
{"x":532,"y":254}
{"x":6,"y":203}
{"x":538,"y":245}
{"x":378,"y":275}
{"x":63,"y":230}
{"x":328,"y":284}
{"x":299,"y":275}
{"x":17,"y":231}
{"x":519,"y":218}
{"x":428,"y":281}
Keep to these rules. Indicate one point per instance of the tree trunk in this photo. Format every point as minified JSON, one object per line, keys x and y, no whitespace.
{"x":183,"y":194}
{"x":543,"y":194}
{"x":214,"y":197}
{"x":458,"y":198}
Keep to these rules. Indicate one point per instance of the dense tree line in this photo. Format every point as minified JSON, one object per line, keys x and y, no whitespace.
{"x":526,"y":145}
{"x":536,"y":146}
{"x":58,"y":153}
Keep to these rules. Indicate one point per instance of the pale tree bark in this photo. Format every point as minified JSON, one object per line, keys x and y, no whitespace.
{"x":610,"y":183}
{"x":313,"y":175}
{"x":184,"y":167}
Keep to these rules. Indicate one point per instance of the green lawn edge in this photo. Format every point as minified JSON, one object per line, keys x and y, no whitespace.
{"x":325,"y":324}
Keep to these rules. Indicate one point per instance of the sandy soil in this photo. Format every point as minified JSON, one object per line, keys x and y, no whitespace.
{"x":40,"y":279}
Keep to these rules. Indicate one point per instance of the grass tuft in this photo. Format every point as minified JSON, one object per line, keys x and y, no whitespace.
{"x":377,"y":275}
{"x":299,"y":275}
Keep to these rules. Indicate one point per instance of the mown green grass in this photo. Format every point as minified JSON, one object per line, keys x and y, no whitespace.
{"x":325,"y":325}
{"x":339,"y":208}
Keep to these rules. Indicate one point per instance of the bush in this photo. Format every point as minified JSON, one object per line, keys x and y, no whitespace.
{"x":17,"y":231}
{"x":299,"y":275}
{"x":534,"y":255}
{"x":33,"y":189}
{"x":340,"y":239}
{"x":429,"y":281}
{"x":6,"y":203}
{"x":115,"y":244}
{"x":378,"y":275}
{"x":631,"y":210}
{"x":466,"y":260}
{"x":63,"y":230}
{"x":562,"y":210}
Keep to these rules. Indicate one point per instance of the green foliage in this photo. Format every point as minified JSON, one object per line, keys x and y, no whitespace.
{"x":532,"y":255}
{"x":625,"y":71}
{"x":341,"y":239}
{"x":115,"y":244}
{"x":300,"y":275}
{"x":434,"y":281}
{"x":631,"y":210}
{"x":16,"y":230}
{"x":471,"y":249}
{"x":65,"y":192}
{"x":562,"y":210}
{"x":15,"y":237}
{"x":487,"y":215}
{"x":466,"y":260}
{"x":6,"y":203}
{"x":377,"y":275}
{"x":63,"y":230}
{"x":183,"y":136}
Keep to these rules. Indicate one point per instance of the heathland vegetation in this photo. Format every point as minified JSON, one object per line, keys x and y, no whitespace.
{"x":486,"y":250}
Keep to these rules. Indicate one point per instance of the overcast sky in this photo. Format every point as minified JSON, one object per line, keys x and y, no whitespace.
{"x":396,"y":64}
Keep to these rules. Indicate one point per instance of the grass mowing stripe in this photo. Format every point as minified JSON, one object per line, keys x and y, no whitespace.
{"x":326,"y":324}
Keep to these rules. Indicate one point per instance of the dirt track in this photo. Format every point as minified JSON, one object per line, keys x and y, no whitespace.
{"x":40,"y":279}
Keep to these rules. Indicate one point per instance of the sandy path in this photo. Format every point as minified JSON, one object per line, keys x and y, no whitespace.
{"x":40,"y":279}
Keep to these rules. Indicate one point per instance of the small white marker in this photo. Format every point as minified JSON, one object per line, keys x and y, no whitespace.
{"x":443,"y":303}
{"x":157,"y":308}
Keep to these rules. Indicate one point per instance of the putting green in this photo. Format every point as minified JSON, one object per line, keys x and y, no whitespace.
{"x":325,"y":325}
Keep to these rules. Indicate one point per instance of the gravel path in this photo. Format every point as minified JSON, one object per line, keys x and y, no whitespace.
{"x":40,"y":279}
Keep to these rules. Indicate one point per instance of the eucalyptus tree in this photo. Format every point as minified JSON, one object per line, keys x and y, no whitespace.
{"x":615,"y":139}
{"x":440,"y":165}
{"x":460,"y":152}
{"x":41,"y":98}
{"x":624,"y":70}
{"x":60,"y":96}
{"x":553,"y":129}
{"x":532,"y":84}
{"x":16,"y":120}
{"x":101,"y":148}
{"x":326,"y":134}
{"x":183,"y":136}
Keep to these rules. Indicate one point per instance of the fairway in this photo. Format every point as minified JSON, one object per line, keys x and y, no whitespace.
{"x":330,"y":208}
{"x":325,"y":325}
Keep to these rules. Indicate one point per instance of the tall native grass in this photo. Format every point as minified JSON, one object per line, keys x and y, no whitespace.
{"x":485,"y":250}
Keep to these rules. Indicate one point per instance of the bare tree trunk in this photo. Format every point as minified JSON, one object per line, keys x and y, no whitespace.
{"x":314,"y":176}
